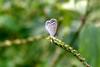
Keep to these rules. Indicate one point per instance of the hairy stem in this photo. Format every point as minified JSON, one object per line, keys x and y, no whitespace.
{"x":69,"y":49}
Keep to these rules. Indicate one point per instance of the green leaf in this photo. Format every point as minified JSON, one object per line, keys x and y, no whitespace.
{"x":89,"y":44}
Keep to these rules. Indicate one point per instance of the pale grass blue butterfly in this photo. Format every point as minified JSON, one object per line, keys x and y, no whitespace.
{"x":51,"y":26}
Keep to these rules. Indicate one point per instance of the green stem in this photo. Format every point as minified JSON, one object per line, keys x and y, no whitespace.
{"x":69,"y":49}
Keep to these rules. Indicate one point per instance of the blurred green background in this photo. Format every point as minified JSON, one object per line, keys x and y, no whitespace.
{"x":79,"y":26}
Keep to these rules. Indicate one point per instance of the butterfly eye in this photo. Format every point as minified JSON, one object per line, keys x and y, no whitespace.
{"x":53,"y":20}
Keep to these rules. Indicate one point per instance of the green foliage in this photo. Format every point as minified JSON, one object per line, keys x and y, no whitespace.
{"x":23,"y":19}
{"x":8,"y":22}
{"x":89,"y":43}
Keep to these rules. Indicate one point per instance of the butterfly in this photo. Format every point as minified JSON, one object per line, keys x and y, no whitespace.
{"x":51,"y":26}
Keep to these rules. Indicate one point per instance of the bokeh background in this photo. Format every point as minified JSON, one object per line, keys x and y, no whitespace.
{"x":23,"y":40}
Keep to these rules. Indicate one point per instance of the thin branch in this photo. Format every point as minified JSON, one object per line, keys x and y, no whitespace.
{"x":83,"y":21}
{"x":19,"y":41}
{"x":69,"y":49}
{"x":55,"y":57}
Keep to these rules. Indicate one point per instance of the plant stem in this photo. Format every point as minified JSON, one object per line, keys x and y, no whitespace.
{"x":69,"y":49}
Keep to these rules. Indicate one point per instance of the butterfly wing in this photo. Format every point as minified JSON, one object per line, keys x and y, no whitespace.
{"x":51,"y":27}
